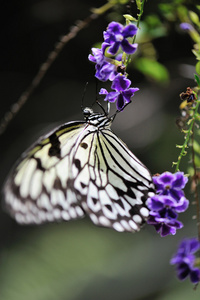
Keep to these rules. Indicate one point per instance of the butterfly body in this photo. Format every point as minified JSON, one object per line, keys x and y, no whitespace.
{"x":80,"y":168}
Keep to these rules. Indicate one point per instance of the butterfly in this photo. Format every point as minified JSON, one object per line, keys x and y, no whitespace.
{"x":80,"y":168}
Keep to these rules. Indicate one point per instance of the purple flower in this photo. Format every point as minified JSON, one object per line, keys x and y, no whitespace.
{"x":185,"y":259}
{"x":159,"y":202}
{"x":170,"y":184}
{"x":116,"y":35}
{"x":186,"y":26}
{"x":105,"y":69}
{"x":122,"y":94}
{"x":164,"y":212}
{"x":169,"y":201}
{"x":163,"y":224}
{"x":97,"y":57}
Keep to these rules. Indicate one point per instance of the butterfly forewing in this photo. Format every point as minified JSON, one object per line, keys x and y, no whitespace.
{"x":81,"y":167}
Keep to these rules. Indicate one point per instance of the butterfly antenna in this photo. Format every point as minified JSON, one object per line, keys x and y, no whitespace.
{"x":83,"y":96}
{"x":105,"y":112}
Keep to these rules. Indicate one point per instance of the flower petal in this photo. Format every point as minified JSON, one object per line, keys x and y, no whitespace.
{"x":127,"y":47}
{"x":120,"y":83}
{"x":114,"y":48}
{"x":103,"y":91}
{"x":129,"y":30}
{"x":120,"y":102}
{"x":182,"y":205}
{"x":111,"y":97}
{"x":195,"y":275}
{"x":179,"y":180}
{"x":129,"y":93}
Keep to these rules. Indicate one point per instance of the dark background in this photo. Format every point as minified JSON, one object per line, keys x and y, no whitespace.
{"x":77,"y":260}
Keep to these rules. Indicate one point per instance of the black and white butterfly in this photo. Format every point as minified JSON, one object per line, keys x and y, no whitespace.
{"x":80,"y":168}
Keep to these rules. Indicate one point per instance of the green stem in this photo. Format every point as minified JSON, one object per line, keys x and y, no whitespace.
{"x":187,"y":137}
{"x":101,"y":10}
{"x":196,"y":196}
{"x":138,"y":24}
{"x":139,"y":17}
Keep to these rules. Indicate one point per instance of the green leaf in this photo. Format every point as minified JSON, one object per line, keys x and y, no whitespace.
{"x":139,"y":4}
{"x":198,"y":67}
{"x":197,"y":79}
{"x":196,"y":146}
{"x":152,"y":69}
{"x":197,"y":161}
{"x":129,"y":17}
{"x":194,"y":17}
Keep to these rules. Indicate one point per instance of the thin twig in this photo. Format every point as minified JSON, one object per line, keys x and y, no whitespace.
{"x":14,"y":109}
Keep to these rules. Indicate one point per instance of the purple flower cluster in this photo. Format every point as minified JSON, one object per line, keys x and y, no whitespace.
{"x":168,"y":202}
{"x":107,"y":68}
{"x":185,"y":260}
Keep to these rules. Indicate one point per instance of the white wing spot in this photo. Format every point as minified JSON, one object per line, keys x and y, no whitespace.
{"x":144,"y":212}
{"x":118,"y":227}
{"x":133,"y":225}
{"x":62,"y":169}
{"x":19,"y":218}
{"x":79,"y":211}
{"x":56,"y":213}
{"x":42,"y":216}
{"x":116,"y":181}
{"x":65,"y":215}
{"x":112,"y":192}
{"x":151,"y":194}
{"x":94,"y":219}
{"x":72,"y":212}
{"x":27,"y":176}
{"x":104,"y":221}
{"x":50,"y":217}
{"x":49,"y":179}
{"x":137,"y":219}
{"x":125,"y":225}
{"x":36,"y":184}
{"x":43,"y":202}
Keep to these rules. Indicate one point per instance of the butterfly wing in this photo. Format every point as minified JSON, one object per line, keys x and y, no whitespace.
{"x":39,"y":189}
{"x":111,"y":183}
{"x":76,"y":169}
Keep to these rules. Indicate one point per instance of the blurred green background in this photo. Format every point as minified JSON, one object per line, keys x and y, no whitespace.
{"x":77,"y":260}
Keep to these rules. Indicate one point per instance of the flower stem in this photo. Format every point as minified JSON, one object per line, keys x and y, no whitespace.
{"x":187,"y":137}
{"x":139,"y":17}
{"x":141,"y":9}
{"x":195,"y":179}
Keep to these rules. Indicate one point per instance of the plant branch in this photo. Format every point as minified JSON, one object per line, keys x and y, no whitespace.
{"x":195,"y":180}
{"x":14,"y":109}
{"x":187,"y":137}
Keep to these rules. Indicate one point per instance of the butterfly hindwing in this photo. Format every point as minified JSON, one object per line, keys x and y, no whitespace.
{"x":116,"y":184}
{"x":38,"y":188}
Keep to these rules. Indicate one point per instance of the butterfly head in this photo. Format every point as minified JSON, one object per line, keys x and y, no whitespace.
{"x":87,"y":112}
{"x":100,"y":120}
